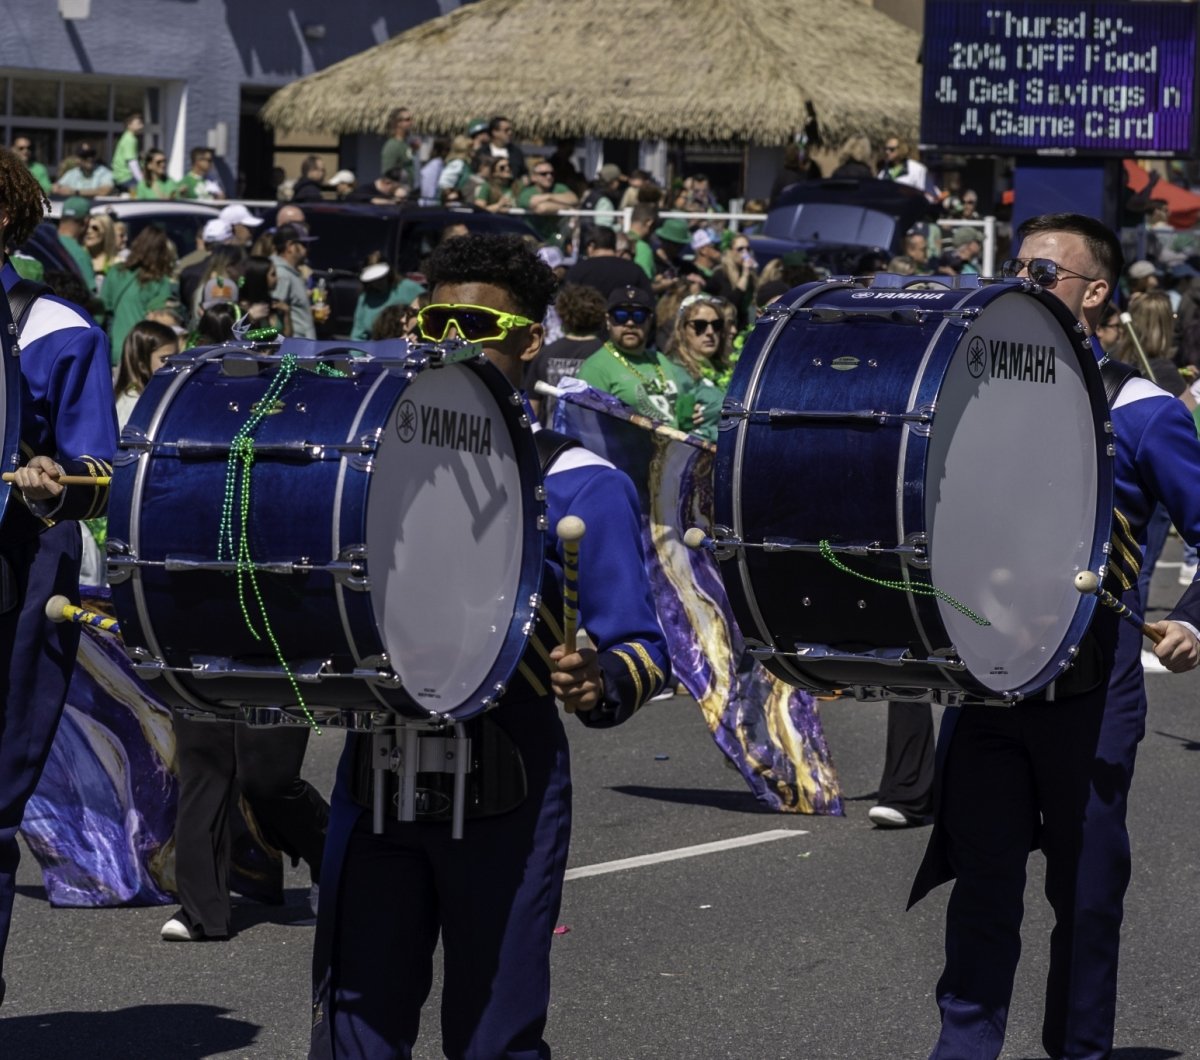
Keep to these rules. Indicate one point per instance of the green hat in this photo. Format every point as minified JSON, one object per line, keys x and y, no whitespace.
{"x":477,"y":126}
{"x":76,"y":208}
{"x":674,"y":230}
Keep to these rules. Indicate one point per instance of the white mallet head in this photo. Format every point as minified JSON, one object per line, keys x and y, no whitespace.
{"x":1086,"y":581}
{"x":570,"y":528}
{"x":694,"y":537}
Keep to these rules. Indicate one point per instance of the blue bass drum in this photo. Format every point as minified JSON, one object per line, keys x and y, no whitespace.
{"x":907,"y":482}
{"x":382,"y":553}
{"x":10,"y":401}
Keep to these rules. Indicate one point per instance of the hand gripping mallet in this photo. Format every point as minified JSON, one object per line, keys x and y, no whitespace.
{"x":1086,"y":582}
{"x":570,"y":530}
{"x":67,"y":480}
{"x":60,"y":609}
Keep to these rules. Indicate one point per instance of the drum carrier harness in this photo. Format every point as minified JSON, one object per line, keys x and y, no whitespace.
{"x":427,"y":774}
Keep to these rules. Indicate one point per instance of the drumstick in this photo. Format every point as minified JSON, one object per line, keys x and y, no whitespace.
{"x":67,"y":480}
{"x":570,"y":529}
{"x":1087,"y":582}
{"x":1127,"y":320}
{"x":60,"y":609}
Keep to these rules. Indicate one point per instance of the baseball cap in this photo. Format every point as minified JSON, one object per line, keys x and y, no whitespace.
{"x":964,"y":235}
{"x":610,"y":172}
{"x":86,"y":151}
{"x":673,"y":230}
{"x":342,"y":176}
{"x":477,"y":126}
{"x":374,"y":272}
{"x":217,"y":231}
{"x":293,"y":233}
{"x":552,"y":256}
{"x":634,"y":296}
{"x":75,"y":208}
{"x":1139,"y":270}
{"x":219,"y":289}
{"x":702,"y":237}
{"x":237,"y":214}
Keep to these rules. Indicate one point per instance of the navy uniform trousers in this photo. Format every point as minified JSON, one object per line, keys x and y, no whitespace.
{"x":36,"y":659}
{"x":494,"y":896}
{"x":1035,"y":773}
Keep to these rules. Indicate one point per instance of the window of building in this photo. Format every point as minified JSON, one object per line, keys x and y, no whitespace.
{"x":57,"y":114}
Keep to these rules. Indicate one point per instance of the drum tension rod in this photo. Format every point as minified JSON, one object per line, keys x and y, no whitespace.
{"x":866,"y":417}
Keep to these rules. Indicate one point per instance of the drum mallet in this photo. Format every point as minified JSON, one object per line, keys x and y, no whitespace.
{"x":1086,"y":582}
{"x":67,"y":480}
{"x":570,"y":530}
{"x":60,"y":609}
{"x":1127,"y":320}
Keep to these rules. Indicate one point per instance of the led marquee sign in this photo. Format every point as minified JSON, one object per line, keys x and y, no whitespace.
{"x":1022,"y":76}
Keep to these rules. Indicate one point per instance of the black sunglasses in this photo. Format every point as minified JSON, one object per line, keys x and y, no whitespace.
{"x":1042,"y":271}
{"x":543,"y":172}
{"x":701,"y":326}
{"x":623,"y":314}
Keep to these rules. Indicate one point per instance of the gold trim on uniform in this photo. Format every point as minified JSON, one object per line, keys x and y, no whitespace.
{"x":1125,"y":548}
{"x":652,"y":671}
{"x":627,"y":659}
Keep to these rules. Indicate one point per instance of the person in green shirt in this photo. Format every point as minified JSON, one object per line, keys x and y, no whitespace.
{"x":23,"y":148}
{"x":642,"y":220}
{"x":544,"y":198}
{"x":381,"y":288}
{"x":139,"y":284}
{"x":397,"y":152}
{"x":627,"y":366}
{"x":72,"y":222}
{"x":199,"y":182}
{"x":125,"y":169}
{"x":156,"y":184}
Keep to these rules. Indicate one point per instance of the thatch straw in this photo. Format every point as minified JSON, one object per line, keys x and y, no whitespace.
{"x":714,"y":70}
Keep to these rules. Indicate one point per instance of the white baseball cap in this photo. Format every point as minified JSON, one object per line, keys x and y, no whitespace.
{"x":237,"y":214}
{"x":217,"y":231}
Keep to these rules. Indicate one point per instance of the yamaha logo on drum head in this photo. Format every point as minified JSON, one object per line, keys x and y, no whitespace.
{"x":406,"y":421}
{"x":846,"y":363}
{"x":977,"y":358}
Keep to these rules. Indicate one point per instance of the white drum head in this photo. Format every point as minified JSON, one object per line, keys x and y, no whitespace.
{"x":445,"y":522}
{"x":1011,"y":490}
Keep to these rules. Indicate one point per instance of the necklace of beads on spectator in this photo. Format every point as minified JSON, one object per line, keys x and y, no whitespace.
{"x":651,"y":387}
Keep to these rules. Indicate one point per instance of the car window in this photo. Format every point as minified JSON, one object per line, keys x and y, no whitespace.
{"x":181,"y":229}
{"x":345,"y":241}
{"x":822,"y":222}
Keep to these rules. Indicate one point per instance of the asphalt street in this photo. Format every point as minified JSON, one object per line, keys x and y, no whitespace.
{"x":796,"y":947}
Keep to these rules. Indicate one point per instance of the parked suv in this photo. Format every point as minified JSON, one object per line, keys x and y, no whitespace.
{"x":404,"y":236}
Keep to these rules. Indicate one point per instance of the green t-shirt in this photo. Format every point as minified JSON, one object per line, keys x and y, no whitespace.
{"x":545,"y":224}
{"x":82,"y":259}
{"x":398,"y":153}
{"x":42,"y":175}
{"x":128,"y":301}
{"x":649,"y":383}
{"x":643,"y":255}
{"x":163,"y":189}
{"x":125,"y":152}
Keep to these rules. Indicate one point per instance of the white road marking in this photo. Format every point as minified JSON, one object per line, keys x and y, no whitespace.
{"x":696,"y":851}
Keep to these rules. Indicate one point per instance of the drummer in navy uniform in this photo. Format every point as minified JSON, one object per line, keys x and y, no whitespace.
{"x":68,"y":426}
{"x":494,"y":894}
{"x":1056,"y":774}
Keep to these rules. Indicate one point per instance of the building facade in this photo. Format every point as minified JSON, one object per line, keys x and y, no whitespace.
{"x":198,"y":71}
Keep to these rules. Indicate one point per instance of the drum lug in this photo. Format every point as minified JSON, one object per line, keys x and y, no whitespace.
{"x":350,"y":568}
{"x":918,"y":544}
{"x":120,"y":561}
{"x":923,"y":420}
{"x":539,"y":494}
{"x":543,"y":522}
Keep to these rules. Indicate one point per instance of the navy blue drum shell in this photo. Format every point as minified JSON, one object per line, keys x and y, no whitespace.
{"x":393,"y":521}
{"x":948,"y":440}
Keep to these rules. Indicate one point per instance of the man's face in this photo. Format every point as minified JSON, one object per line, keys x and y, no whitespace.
{"x":543,"y":176}
{"x":203,"y":164}
{"x":136,"y":126}
{"x":969,"y":204}
{"x":891,"y":151}
{"x":502,"y":133}
{"x":970,"y":251}
{"x":403,"y":124}
{"x":87,"y":161}
{"x":1083,"y":297}
{"x":243,"y":235}
{"x":23,"y":148}
{"x":917,"y":247}
{"x":708,"y":255}
{"x":510,"y":353}
{"x":627,"y":334}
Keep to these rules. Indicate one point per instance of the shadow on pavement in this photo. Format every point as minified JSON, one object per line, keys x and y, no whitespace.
{"x":1188,"y":744}
{"x":144,"y":1032}
{"x":1135,"y":1052}
{"x":734,"y":801}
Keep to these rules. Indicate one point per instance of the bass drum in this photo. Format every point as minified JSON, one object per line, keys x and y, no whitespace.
{"x":907,"y":482}
{"x":375,"y":543}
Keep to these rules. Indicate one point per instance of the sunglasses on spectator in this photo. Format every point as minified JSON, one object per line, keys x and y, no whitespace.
{"x":543,"y":172}
{"x":625,"y":314}
{"x":1042,"y":271}
{"x":699,"y":327}
{"x":475,"y":323}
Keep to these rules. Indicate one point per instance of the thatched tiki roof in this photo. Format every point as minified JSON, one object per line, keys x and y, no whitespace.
{"x":670,"y":69}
